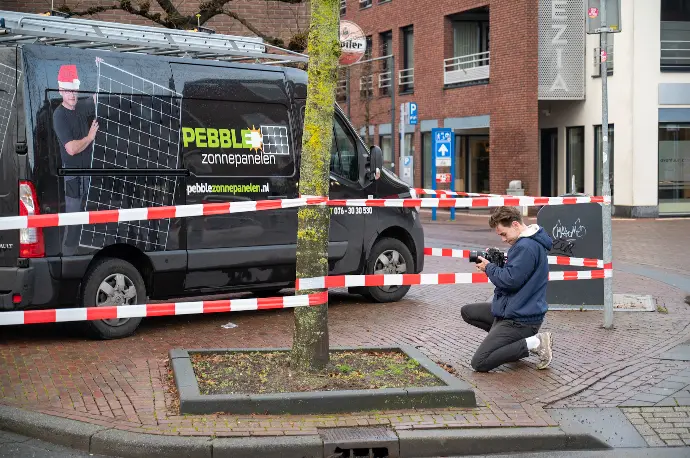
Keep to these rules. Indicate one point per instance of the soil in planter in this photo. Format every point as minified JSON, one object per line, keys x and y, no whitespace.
{"x":269,"y":372}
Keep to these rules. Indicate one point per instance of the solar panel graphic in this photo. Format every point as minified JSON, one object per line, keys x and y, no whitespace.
{"x":275,"y":140}
{"x":139,"y":128}
{"x":7,"y":93}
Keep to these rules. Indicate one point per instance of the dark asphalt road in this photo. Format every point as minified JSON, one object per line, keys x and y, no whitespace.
{"x":16,"y":446}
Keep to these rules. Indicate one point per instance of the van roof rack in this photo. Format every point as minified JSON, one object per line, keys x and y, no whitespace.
{"x":57,"y":29}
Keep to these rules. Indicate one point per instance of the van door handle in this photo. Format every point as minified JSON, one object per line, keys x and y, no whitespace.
{"x":276,"y":197}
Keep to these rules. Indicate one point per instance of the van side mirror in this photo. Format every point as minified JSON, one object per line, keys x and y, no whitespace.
{"x":374,"y":163}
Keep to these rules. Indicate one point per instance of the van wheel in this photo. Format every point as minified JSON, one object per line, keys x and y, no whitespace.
{"x":111,"y":282}
{"x":389,"y":256}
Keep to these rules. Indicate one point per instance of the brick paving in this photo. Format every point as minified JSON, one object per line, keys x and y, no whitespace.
{"x":661,"y":426}
{"x":127,"y":384}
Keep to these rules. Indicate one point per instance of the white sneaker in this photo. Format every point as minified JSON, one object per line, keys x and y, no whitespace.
{"x":544,"y":350}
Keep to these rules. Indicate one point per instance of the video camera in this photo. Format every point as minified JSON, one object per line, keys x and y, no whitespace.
{"x":493,"y":255}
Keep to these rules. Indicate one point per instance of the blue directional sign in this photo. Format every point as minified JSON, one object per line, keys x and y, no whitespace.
{"x":443,"y":140}
{"x":413,"y":113}
{"x":443,"y":146}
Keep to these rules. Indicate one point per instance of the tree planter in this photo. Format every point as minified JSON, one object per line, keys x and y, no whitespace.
{"x":452,"y":391}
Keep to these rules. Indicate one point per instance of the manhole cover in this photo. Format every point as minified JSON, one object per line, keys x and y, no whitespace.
{"x":621,"y":303}
{"x":633,"y":303}
{"x":360,"y":441}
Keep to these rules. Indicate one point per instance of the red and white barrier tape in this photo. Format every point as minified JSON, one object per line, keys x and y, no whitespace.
{"x":343,"y":281}
{"x":462,"y":202}
{"x":557,"y":260}
{"x":166,"y":309}
{"x":236,"y":305}
{"x":183,"y":211}
{"x":151,"y":213}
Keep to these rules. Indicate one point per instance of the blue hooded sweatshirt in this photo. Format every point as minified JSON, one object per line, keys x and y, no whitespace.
{"x":520,"y":292}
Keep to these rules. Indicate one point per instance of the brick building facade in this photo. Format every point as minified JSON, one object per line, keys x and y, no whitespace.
{"x":434,"y":40}
{"x":276,"y":19}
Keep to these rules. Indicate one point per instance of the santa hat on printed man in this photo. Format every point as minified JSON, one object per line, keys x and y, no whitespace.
{"x":68,"y":78}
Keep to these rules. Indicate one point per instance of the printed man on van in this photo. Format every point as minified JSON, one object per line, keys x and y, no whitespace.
{"x":75,"y":135}
{"x":518,"y":308}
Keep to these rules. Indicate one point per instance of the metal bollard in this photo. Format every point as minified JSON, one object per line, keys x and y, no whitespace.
{"x":515,"y":189}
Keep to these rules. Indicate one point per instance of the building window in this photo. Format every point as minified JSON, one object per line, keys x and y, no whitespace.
{"x":406,"y":76}
{"x":470,"y":47}
{"x":343,"y":7}
{"x":364,"y":4}
{"x":369,"y":51}
{"x":674,"y":168}
{"x":575,"y":160}
{"x":479,"y":164}
{"x":675,"y":35}
{"x":387,"y":150}
{"x":460,"y":162}
{"x":598,"y":175}
{"x":386,"y":50}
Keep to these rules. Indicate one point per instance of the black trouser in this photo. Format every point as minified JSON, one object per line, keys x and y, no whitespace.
{"x":505,"y":342}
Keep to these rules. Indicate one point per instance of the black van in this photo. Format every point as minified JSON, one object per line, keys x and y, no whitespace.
{"x":85,"y":130}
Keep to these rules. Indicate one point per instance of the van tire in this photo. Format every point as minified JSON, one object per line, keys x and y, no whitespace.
{"x":388,"y":247}
{"x":104,"y":274}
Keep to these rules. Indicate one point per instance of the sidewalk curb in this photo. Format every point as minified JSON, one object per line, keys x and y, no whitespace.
{"x":413,"y":443}
{"x":484,"y":441}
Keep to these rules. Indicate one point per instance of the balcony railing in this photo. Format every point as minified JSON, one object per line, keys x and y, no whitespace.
{"x":675,"y":45}
{"x":341,"y":89}
{"x":675,"y":54}
{"x":406,"y":79}
{"x":384,"y":80}
{"x":366,"y":86}
{"x":461,"y":69}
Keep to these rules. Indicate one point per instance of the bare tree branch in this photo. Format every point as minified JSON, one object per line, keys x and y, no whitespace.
{"x":172,"y":18}
{"x":272,"y":40}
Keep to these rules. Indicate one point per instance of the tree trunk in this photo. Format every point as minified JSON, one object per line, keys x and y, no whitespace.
{"x":310,"y":340}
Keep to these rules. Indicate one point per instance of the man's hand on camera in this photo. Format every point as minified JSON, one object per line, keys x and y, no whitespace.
{"x":481,"y":266}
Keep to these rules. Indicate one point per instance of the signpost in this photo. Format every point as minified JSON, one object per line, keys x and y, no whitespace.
{"x":408,"y":110}
{"x":408,"y":170}
{"x":443,"y":147}
{"x":597,"y":22}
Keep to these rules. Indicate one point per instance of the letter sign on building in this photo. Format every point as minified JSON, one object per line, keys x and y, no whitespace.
{"x":561,"y":50}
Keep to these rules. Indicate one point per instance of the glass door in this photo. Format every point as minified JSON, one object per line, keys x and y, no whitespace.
{"x":674,"y":168}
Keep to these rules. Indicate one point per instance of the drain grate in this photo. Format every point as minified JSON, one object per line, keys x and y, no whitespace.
{"x":360,"y":442}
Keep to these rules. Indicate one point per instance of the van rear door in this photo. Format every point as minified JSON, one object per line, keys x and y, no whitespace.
{"x":9,"y":187}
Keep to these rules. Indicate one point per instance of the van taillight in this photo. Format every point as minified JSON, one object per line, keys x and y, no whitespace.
{"x":31,"y":243}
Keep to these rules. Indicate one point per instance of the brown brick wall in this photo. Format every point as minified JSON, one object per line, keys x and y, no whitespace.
{"x":510,"y":98}
{"x":514,"y":139}
{"x":273,"y":18}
